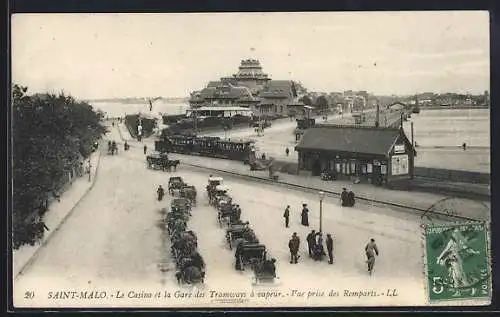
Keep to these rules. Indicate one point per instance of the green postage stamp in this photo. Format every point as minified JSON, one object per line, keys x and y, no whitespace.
{"x":457,"y":261}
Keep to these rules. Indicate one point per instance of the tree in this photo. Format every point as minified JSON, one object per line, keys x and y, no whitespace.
{"x":321,"y":103}
{"x":306,"y":100}
{"x":50,"y":135}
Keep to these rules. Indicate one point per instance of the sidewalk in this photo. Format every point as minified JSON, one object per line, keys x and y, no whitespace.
{"x":57,"y":214}
{"x":468,"y":189}
{"x":124,"y":133}
{"x":418,"y":200}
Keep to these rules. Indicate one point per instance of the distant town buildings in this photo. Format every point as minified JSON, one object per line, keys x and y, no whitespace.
{"x":251,"y":88}
{"x":429,"y":99}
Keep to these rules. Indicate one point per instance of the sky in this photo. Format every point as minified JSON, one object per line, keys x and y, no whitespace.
{"x":126,"y":55}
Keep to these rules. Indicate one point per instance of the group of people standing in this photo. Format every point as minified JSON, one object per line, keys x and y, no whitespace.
{"x":316,"y":250}
{"x":315,"y":239}
{"x":314,"y":245}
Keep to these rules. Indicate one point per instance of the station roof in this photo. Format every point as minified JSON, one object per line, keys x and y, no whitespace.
{"x":277,"y":89}
{"x":352,"y":139}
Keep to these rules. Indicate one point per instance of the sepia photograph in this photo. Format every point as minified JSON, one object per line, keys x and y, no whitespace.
{"x":251,"y":160}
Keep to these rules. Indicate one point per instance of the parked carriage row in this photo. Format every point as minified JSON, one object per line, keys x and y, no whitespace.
{"x":249,"y":251}
{"x":206,"y":146}
{"x":189,"y":263}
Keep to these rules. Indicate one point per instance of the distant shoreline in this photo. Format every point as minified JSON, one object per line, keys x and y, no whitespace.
{"x":139,"y":100}
{"x":452,"y":107}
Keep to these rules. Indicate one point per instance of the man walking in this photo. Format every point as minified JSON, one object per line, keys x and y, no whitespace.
{"x":293,"y":245}
{"x":311,"y":241}
{"x":286,"y":215}
{"x":145,"y":149}
{"x":329,"y":247}
{"x":287,"y":151}
{"x":371,"y":249}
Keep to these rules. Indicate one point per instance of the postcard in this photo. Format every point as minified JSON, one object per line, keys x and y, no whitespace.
{"x":220,"y":160}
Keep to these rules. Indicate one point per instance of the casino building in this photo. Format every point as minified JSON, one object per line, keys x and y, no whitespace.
{"x":249,"y":88}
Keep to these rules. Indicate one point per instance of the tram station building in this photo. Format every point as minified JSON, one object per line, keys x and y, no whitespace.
{"x":372,"y":155}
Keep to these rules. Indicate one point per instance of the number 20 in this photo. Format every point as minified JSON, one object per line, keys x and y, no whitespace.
{"x":437,"y":285}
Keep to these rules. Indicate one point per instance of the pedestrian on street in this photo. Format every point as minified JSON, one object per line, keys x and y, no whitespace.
{"x":145,"y":149}
{"x":329,"y":247}
{"x":294,"y":245}
{"x":239,"y":251}
{"x":304,"y":215}
{"x":371,"y":250}
{"x":287,"y":151}
{"x":286,"y":215}
{"x":311,"y":242}
{"x":343,"y":197}
{"x":464,"y":146}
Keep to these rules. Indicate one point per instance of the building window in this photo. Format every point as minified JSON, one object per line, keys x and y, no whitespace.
{"x":346,"y":168}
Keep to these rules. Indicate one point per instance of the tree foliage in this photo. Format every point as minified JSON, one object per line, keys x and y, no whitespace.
{"x":321,"y":103}
{"x":306,"y":100}
{"x":51,"y":134}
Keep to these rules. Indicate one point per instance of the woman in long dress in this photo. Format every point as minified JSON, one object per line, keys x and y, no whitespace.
{"x":305,"y":215}
{"x":451,"y":258}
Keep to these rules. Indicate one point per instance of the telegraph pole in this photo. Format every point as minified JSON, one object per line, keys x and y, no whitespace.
{"x":412,"y":140}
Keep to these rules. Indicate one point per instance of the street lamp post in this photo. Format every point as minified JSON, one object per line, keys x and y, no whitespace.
{"x":321,"y":196}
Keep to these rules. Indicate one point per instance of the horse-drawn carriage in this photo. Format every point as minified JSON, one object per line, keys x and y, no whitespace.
{"x":189,"y":192}
{"x":254,"y":255}
{"x":160,"y":161}
{"x":264,"y":271}
{"x":175,"y":184}
{"x":191,"y":269}
{"x":220,"y":196}
{"x":181,"y":205}
{"x":212,"y":183}
{"x":190,"y":264}
{"x":176,"y":221}
{"x":240,"y":232}
{"x":249,"y":253}
{"x":228,"y":213}
{"x":156,"y":161}
{"x":112,"y":148}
